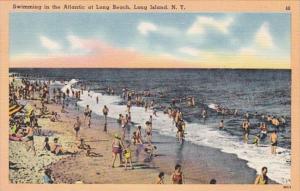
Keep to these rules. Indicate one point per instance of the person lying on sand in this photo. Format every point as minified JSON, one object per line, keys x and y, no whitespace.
{"x":55,"y":117}
{"x":57,"y":148}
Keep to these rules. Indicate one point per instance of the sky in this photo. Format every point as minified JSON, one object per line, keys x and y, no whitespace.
{"x":150,"y":40}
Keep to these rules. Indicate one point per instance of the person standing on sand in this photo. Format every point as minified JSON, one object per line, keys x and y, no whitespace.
{"x":139,"y":135}
{"x":128,"y":157}
{"x":262,"y":178}
{"x":105,"y":111}
{"x":177,"y":175}
{"x":86,"y":112}
{"x":117,"y":146}
{"x":274,"y":140}
{"x":76,"y":126}
{"x":29,"y":139}
{"x":89,"y":116}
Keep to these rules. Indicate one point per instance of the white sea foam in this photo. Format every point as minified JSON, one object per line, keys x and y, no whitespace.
{"x":206,"y":135}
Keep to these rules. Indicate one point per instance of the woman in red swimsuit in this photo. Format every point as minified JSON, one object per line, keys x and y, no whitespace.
{"x":177,"y":176}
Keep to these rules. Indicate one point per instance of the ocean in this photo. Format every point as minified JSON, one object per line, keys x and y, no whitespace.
{"x":265,"y":92}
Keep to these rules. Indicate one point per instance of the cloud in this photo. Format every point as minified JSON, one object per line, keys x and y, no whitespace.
{"x":263,"y":38}
{"x":189,"y":51}
{"x":261,"y":44}
{"x":145,"y":27}
{"x":202,"y":23}
{"x":49,"y":44}
{"x":75,"y":42}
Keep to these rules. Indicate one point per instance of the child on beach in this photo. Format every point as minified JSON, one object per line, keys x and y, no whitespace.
{"x":128,"y":157}
{"x":160,"y":178}
{"x":177,"y":175}
{"x":46,"y":144}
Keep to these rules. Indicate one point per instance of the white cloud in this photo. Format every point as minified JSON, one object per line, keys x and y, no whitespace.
{"x":75,"y":42}
{"x":263,"y":38}
{"x":49,"y":44}
{"x":189,"y":51}
{"x":262,"y":43}
{"x":202,"y":23}
{"x":145,"y":27}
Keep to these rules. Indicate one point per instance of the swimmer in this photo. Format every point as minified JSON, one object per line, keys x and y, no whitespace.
{"x":256,"y":140}
{"x":274,"y":142}
{"x":139,"y":135}
{"x":105,"y":111}
{"x":246,"y":128}
{"x":221,"y":125}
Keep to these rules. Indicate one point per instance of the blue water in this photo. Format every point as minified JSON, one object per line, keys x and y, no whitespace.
{"x":262,"y":91}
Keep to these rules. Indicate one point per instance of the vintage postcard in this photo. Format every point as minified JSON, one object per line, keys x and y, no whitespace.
{"x":119,"y":95}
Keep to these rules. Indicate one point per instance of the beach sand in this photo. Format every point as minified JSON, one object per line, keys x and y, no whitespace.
{"x":200,"y":164}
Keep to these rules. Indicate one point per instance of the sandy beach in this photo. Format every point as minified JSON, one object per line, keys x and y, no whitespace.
{"x":200,"y":163}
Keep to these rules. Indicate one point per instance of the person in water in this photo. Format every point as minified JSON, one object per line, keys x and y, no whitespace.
{"x":274,"y":142}
{"x":139,"y":135}
{"x":117,"y":147}
{"x":86,"y":112}
{"x":256,"y":140}
{"x":262,"y":178}
{"x":160,"y":178}
{"x":246,"y":127}
{"x":149,"y":132}
{"x":177,"y":175}
{"x":221,"y":125}
{"x":105,"y":111}
{"x":263,"y":131}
